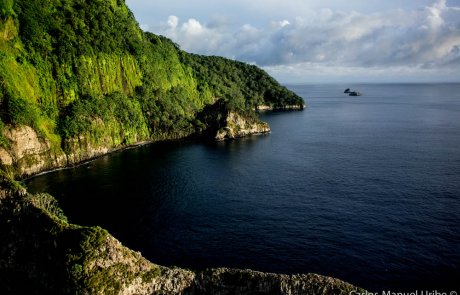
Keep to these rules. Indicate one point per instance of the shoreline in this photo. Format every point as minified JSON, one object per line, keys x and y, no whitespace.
{"x":133,"y":146}
{"x":89,"y":160}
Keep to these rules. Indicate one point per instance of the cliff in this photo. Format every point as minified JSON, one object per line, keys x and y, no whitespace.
{"x":41,"y":253}
{"x":80,"y":78}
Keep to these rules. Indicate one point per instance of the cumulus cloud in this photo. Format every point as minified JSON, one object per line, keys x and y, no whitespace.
{"x":172,"y":22}
{"x":426,"y":38}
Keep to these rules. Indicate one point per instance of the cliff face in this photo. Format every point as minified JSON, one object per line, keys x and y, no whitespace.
{"x":27,"y":153}
{"x":41,"y":253}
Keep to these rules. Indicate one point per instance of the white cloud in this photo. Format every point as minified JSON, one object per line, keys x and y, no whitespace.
{"x":403,"y":41}
{"x":435,"y":13}
{"x":172,"y":22}
{"x":320,"y":73}
{"x":192,"y":27}
{"x":280,"y":24}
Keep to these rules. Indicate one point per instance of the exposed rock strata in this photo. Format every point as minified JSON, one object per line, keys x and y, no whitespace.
{"x":28,"y":153}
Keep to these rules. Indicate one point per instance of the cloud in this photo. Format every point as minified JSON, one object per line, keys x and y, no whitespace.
{"x":425,"y":38}
{"x":172,"y":22}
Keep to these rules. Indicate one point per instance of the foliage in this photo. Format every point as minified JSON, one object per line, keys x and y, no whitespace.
{"x":6,"y":8}
{"x":3,"y":140}
{"x":76,"y":69}
{"x":49,"y":205}
{"x":114,"y":116}
{"x":243,"y":86}
{"x":82,"y":70}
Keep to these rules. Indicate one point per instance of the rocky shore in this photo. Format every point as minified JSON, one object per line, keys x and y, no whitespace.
{"x":28,"y":153}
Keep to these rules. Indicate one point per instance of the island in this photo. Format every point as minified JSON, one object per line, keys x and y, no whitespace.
{"x":352,"y":93}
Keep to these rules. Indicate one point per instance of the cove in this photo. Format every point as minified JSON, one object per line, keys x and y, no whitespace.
{"x":364,"y":189}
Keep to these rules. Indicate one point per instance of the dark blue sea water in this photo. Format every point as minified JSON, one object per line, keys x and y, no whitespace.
{"x":366,"y":189}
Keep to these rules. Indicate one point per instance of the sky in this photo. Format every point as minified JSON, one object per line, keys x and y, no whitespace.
{"x":300,"y":41}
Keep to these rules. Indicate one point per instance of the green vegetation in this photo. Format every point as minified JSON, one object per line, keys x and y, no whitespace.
{"x":243,"y":86}
{"x":42,"y":253}
{"x":6,"y":8}
{"x":83,"y":68}
{"x":115,"y":118}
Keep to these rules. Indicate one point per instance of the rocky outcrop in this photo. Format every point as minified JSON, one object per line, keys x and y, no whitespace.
{"x":29,"y":153}
{"x":235,"y":125}
{"x":41,"y":253}
{"x":81,"y":149}
{"x":225,"y":281}
{"x":223,"y":121}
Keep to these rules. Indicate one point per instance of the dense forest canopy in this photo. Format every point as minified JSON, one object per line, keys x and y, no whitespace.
{"x":72,"y":68}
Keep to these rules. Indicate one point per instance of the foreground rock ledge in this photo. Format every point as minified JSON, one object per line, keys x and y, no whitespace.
{"x":41,"y":253}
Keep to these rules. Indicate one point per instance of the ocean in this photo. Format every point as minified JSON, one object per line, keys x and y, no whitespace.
{"x":365,"y":189}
